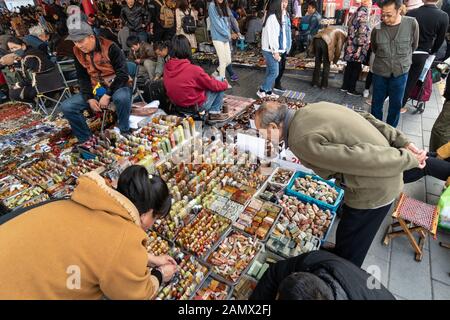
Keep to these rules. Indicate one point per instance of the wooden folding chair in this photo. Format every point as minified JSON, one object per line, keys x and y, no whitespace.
{"x":413,"y":216}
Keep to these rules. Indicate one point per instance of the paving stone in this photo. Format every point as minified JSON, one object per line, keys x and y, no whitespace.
{"x":440,"y":291}
{"x":430,"y":113}
{"x":432,"y":199}
{"x":413,"y":128}
{"x":440,"y":258}
{"x":379,"y":266}
{"x":407,"y":277}
{"x":416,"y":190}
{"x":434,"y":186}
{"x":428,"y":123}
{"x":426,"y":138}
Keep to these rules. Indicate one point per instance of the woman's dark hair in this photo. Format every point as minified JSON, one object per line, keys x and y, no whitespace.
{"x":180,"y":47}
{"x":132,"y":40}
{"x":160,"y":45}
{"x":274,"y":8}
{"x":398,"y":3}
{"x":222,"y":8}
{"x":183,"y":5}
{"x":16,"y":40}
{"x":144,"y":192}
{"x":304,"y":286}
{"x":312,"y":4}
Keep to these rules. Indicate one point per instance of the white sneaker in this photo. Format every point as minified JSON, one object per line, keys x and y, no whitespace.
{"x":273,"y":96}
{"x":261,"y":94}
{"x":229,"y":87}
{"x":366,"y":93}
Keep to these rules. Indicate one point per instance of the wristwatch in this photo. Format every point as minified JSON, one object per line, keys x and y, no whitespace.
{"x":158,"y":274}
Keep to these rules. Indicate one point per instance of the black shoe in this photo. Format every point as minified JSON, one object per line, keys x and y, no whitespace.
{"x":279,"y":88}
{"x":354,"y":93}
{"x":314,"y":85}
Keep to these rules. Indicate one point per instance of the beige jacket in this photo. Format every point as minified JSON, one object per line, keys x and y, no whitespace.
{"x":84,"y":248}
{"x":179,"y":17}
{"x":335,"y":39}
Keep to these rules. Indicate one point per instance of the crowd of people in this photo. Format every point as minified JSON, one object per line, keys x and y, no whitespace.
{"x":370,"y":159}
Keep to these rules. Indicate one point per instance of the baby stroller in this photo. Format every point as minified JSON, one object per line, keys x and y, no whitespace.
{"x":421,"y":93}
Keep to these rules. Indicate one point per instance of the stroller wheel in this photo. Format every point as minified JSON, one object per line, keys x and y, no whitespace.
{"x":421,"y":107}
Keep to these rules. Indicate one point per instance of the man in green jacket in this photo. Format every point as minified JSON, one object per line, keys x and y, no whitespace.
{"x":366,"y":157}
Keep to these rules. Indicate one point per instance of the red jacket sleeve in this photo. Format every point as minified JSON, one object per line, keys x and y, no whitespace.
{"x":209,"y":83}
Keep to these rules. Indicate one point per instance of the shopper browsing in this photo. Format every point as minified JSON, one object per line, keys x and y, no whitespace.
{"x":326,"y":47}
{"x":186,"y":21}
{"x":356,"y":47}
{"x":276,"y":41}
{"x":219,"y":17}
{"x":309,"y":26}
{"x":286,"y":21}
{"x":99,"y":63}
{"x":188,"y":86}
{"x":85,"y":249}
{"x":369,"y":159}
{"x":393,"y":44}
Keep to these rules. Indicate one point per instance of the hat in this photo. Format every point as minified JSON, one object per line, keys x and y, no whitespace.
{"x":79,"y":31}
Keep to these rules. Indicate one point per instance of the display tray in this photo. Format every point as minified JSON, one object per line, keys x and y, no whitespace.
{"x":261,"y":264}
{"x":257,"y":213}
{"x":187,"y":281}
{"x":244,"y":288}
{"x":333,"y":206}
{"x":320,"y":207}
{"x":189,"y":236}
{"x":213,"y":289}
{"x":237,"y":257}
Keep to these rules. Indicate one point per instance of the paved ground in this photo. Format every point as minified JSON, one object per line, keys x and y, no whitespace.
{"x":406,"y":278}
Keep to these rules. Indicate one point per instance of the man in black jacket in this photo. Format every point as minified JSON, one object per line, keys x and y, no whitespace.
{"x":135,"y":17}
{"x":318,"y":275}
{"x":433,"y":24}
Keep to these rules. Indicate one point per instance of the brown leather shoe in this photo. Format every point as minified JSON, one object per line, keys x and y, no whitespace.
{"x":218,"y":116}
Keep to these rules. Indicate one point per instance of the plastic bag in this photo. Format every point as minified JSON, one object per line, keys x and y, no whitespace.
{"x":444,"y":210}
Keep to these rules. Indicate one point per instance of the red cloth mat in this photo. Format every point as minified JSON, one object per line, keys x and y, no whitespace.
{"x":420,"y":213}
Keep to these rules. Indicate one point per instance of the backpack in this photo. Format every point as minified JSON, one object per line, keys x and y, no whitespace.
{"x":188,"y":23}
{"x":166,"y":16}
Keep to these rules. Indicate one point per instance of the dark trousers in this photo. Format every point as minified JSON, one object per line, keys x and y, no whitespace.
{"x":351,"y":75}
{"x":369,"y":80}
{"x":162,"y":34}
{"x":418,"y":62}
{"x":358,"y":227}
{"x":321,"y":54}
{"x":282,"y":65}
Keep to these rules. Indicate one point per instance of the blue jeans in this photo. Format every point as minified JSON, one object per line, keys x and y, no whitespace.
{"x":214,"y":101}
{"x":74,"y":106}
{"x":230,"y":70}
{"x":392,"y":87}
{"x":272,"y":70}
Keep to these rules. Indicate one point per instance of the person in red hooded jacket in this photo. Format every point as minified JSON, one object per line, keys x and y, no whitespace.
{"x":189,"y":86}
